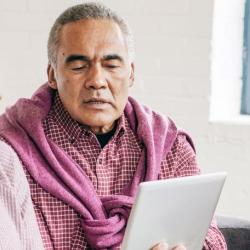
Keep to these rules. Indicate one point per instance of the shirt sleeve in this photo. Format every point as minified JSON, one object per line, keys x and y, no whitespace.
{"x":181,"y":161}
{"x":18,"y":228}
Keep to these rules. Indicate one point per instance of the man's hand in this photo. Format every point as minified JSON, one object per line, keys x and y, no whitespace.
{"x":164,"y":246}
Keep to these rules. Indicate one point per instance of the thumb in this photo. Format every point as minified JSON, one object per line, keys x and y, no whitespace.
{"x":161,"y":246}
{"x":179,"y":247}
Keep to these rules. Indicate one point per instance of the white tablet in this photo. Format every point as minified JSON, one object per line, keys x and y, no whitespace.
{"x":176,"y":210}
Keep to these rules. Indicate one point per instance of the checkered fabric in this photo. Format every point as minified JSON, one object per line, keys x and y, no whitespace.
{"x":110,"y":169}
{"x":18,"y":226}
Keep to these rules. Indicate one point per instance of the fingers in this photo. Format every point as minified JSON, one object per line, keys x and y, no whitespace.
{"x":161,"y":246}
{"x":164,"y":246}
{"x":179,"y":247}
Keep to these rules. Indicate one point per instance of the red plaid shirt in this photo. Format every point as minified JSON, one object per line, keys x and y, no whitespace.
{"x":109,"y":168}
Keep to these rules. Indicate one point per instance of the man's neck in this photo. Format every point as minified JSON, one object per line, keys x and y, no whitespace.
{"x":103,"y":129}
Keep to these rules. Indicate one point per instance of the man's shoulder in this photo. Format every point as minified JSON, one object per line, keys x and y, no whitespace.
{"x":183,"y":138}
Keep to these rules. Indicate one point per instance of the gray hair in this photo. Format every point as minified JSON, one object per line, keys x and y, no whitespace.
{"x":87,"y":11}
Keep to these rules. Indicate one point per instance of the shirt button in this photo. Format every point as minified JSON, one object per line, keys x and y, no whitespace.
{"x":100,"y":161}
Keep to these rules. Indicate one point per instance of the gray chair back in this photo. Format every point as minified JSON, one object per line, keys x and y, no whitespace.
{"x":236,"y":232}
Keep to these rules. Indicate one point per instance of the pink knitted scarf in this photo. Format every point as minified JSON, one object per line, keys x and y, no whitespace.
{"x":104,"y":219}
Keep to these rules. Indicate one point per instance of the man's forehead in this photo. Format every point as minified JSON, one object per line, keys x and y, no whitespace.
{"x":88,"y":37}
{"x":92,"y":28}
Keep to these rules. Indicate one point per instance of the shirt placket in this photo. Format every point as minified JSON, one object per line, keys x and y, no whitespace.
{"x":102,"y":173}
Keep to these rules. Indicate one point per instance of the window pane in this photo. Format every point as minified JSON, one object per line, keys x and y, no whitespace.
{"x":245,"y":104}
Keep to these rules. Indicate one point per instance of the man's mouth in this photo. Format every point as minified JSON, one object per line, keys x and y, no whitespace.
{"x":97,"y":103}
{"x":92,"y":101}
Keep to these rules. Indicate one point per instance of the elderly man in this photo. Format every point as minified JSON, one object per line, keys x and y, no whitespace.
{"x":84,"y":144}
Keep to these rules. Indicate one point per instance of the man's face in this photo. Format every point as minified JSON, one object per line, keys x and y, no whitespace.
{"x":93,"y":72}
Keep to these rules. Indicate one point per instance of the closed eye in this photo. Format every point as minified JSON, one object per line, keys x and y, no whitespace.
{"x":111,"y":66}
{"x":79,"y":68}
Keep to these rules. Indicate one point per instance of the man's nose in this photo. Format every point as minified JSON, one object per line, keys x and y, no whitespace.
{"x":96,"y":78}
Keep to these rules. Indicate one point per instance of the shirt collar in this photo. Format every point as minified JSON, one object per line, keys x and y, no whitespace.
{"x":74,"y":129}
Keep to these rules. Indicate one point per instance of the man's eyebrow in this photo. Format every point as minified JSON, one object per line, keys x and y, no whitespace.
{"x":113,"y":57}
{"x":72,"y":58}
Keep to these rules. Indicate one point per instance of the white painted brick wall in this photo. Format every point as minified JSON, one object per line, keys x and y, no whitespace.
{"x":173,"y":43}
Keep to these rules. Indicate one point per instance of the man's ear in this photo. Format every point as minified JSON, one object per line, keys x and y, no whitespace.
{"x":51,"y":77}
{"x":132,"y":75}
